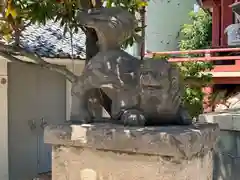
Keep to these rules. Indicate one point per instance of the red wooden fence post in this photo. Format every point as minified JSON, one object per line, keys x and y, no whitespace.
{"x":216,"y":21}
{"x":226,"y":19}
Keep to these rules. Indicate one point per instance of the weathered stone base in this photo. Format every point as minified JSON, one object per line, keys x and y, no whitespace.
{"x":111,"y":152}
{"x":74,"y":163}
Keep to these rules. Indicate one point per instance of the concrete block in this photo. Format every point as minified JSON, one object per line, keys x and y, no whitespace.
{"x":227,"y":120}
{"x":114,"y":152}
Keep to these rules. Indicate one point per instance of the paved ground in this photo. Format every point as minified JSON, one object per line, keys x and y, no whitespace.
{"x":44,"y":176}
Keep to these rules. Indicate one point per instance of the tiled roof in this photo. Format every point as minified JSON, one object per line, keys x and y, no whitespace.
{"x":49,"y":41}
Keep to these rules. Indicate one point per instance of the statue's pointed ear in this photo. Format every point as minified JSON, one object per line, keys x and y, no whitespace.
{"x":83,"y":17}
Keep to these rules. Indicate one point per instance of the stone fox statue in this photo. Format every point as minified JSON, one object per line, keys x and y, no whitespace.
{"x":142,"y":92}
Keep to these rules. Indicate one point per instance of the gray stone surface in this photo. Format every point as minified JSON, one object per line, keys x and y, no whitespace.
{"x":227,"y":153}
{"x":172,"y":141}
{"x":226,"y":120}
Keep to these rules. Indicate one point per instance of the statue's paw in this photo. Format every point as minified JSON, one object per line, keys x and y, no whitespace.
{"x":86,"y":118}
{"x":133,"y":117}
{"x":185,"y":118}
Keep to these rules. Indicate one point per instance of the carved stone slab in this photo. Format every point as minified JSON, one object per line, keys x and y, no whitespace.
{"x":174,"y":141}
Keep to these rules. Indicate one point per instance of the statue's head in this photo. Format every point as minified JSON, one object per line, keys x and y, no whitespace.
{"x":154,"y":74}
{"x":160,"y":86}
{"x":113,"y":25}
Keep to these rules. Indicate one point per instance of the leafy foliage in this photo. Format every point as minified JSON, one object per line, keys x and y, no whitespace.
{"x":21,"y":12}
{"x":196,"y":35}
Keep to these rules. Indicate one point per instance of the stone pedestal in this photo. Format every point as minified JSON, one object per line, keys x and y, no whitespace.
{"x":114,"y":152}
{"x":227,"y":153}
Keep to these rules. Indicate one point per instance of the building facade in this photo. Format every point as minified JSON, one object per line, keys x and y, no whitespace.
{"x":163,"y":21}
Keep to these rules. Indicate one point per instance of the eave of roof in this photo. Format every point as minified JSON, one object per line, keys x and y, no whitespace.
{"x":49,"y":41}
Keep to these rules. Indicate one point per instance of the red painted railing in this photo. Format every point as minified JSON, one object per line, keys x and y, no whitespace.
{"x":208,"y":57}
{"x":199,"y":51}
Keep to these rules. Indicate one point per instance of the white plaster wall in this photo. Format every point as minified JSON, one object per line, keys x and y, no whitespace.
{"x":3,"y":122}
{"x":71,"y":104}
{"x":164,"y":19}
{"x":33,"y":93}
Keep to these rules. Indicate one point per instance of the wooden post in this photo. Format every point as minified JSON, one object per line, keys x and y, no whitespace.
{"x":216,"y":22}
{"x":226,"y":19}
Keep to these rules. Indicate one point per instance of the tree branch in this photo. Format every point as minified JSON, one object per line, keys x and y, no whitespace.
{"x":8,"y":52}
{"x":14,"y":59}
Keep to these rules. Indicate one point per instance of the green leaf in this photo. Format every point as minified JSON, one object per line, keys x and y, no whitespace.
{"x":196,"y":35}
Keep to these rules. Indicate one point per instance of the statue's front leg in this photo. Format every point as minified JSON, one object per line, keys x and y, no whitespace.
{"x":184,"y":116}
{"x":79,"y":89}
{"x":84,"y":114}
{"x":91,"y":80}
